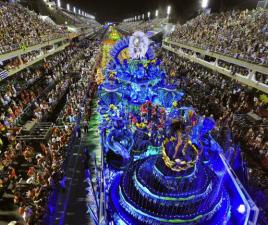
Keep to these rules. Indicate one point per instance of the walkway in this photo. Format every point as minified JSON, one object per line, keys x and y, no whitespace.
{"x":71,"y":204}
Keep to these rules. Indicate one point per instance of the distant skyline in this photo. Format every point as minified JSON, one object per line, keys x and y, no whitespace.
{"x":117,"y":10}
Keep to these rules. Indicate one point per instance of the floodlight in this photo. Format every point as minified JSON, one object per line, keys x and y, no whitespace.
{"x":204,"y":4}
{"x":58,"y":3}
{"x":168,"y":10}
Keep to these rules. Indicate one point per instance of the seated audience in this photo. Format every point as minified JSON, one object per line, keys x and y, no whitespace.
{"x":21,"y":27}
{"x":240,"y":34}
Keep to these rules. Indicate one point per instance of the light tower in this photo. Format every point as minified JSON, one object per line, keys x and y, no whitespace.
{"x":204,"y":4}
{"x":156,"y":13}
{"x":68,"y":7}
{"x":168,"y":11}
{"x":58,"y":3}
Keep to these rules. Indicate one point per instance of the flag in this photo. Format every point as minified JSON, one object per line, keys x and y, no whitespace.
{"x":23,"y":47}
{"x":3,"y":74}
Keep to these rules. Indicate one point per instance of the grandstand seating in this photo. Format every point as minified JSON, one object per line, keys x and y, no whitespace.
{"x":240,"y":34}
{"x":145,"y":26}
{"x":21,"y":28}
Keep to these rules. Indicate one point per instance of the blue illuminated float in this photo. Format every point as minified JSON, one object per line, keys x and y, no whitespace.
{"x":169,"y":169}
{"x":120,"y":141}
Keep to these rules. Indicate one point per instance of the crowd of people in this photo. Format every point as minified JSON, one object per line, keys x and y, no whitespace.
{"x":45,"y":105}
{"x":21,"y":27}
{"x":17,"y":62}
{"x":34,"y":88}
{"x":81,"y":90}
{"x":30,"y":170}
{"x":240,"y":34}
{"x":234,"y":68}
{"x":213,"y":94}
{"x":16,"y":94}
{"x":145,"y":26}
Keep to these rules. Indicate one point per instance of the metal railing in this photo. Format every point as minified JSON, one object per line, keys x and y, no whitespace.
{"x":191,"y":53}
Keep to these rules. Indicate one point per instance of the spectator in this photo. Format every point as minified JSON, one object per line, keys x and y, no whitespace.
{"x":85,"y":126}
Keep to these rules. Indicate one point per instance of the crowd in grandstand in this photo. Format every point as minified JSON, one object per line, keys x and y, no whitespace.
{"x":81,"y":90}
{"x":145,"y":26}
{"x":240,"y":34}
{"x":16,"y":62}
{"x":26,"y":90}
{"x":21,"y":27}
{"x":234,"y":69}
{"x":28,"y":171}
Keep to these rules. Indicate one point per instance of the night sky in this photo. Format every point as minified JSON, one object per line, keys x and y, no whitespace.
{"x":117,"y":10}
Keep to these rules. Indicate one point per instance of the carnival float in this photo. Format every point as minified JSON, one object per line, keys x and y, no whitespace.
{"x":162,"y":165}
